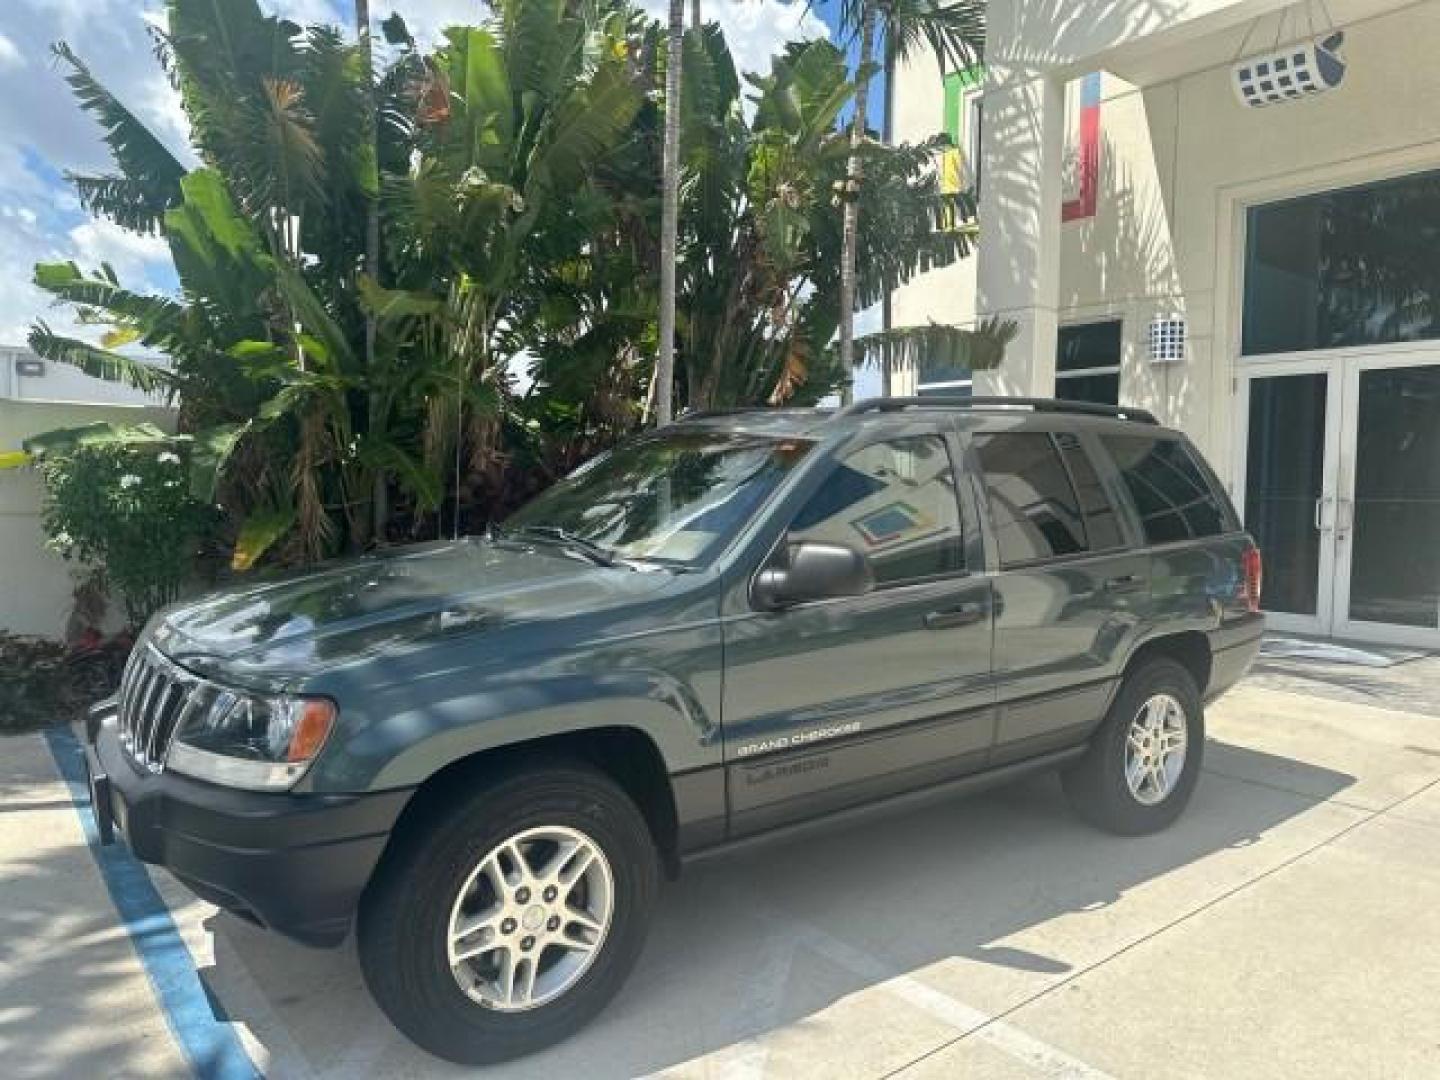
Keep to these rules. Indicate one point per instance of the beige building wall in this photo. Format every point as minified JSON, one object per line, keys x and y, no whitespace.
{"x":1180,"y":160}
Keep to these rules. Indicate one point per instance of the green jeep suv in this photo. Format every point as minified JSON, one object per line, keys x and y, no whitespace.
{"x":484,"y":755}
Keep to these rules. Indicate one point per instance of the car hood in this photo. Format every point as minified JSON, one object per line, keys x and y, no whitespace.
{"x":273,"y":632}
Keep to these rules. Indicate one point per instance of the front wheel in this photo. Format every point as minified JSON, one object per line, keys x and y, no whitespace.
{"x":1143,"y":763}
{"x":512,"y":920}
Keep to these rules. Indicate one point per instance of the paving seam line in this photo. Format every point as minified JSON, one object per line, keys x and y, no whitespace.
{"x":202,"y":1031}
{"x":1004,"y":1014}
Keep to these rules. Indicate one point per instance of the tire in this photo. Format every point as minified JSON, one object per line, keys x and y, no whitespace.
{"x":404,"y":929}
{"x":1098,"y":786}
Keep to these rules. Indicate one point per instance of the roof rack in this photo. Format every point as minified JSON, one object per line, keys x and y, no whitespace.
{"x":1048,"y":405}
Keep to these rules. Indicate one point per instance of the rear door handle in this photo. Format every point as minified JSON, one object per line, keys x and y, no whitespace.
{"x":1123,"y":584}
{"x":963,"y":615}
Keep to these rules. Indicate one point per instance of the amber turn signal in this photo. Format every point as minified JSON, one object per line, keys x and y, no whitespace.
{"x":312,"y":727}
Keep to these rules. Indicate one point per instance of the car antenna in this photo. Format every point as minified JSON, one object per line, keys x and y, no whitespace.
{"x":459,"y":431}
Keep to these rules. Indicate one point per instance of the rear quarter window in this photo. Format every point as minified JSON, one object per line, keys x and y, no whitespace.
{"x":1174,"y":496}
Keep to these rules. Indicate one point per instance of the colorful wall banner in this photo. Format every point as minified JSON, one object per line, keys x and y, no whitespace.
{"x":1082,"y":159}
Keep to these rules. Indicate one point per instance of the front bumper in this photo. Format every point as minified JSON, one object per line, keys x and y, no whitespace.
{"x":295,"y":864}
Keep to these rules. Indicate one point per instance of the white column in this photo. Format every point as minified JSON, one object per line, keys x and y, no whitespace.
{"x":1020,"y":205}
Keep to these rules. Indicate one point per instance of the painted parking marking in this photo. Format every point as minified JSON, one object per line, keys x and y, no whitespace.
{"x":204,"y":1035}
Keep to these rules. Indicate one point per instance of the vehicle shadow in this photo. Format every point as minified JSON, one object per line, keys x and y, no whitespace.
{"x":756,"y":941}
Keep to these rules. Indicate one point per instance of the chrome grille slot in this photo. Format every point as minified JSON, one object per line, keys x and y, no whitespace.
{"x":154,"y":694}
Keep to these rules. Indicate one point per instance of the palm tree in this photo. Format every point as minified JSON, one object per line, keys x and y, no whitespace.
{"x":669,"y":212}
{"x":380,"y":509}
{"x":955,"y":32}
{"x":760,"y":281}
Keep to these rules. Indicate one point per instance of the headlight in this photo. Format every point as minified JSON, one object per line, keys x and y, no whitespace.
{"x":246,"y":741}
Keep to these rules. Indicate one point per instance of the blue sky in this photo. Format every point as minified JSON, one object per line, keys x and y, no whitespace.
{"x":43,"y":133}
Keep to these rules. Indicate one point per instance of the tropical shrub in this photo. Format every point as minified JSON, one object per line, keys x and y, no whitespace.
{"x":124,"y":509}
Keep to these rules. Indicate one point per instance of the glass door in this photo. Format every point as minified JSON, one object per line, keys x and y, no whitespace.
{"x":1287,"y":478}
{"x":1387,"y":526}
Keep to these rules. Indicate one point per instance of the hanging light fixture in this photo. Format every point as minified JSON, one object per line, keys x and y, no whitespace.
{"x":1304,"y":68}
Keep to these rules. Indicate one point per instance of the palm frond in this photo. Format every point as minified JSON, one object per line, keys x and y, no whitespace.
{"x":150,"y":172}
{"x":954,"y":31}
{"x":155,"y":319}
{"x":937,"y":346}
{"x":97,"y":362}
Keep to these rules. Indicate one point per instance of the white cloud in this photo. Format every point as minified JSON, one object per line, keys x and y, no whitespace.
{"x":755,"y":30}
{"x":9,"y":55}
{"x":130,"y":254}
{"x":427,"y":18}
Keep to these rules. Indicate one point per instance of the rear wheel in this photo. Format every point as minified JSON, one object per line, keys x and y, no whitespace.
{"x":1143,"y":763}
{"x":508,"y":923}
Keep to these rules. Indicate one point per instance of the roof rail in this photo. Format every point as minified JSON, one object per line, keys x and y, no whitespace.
{"x":1050,"y":405}
{"x":704,"y":414}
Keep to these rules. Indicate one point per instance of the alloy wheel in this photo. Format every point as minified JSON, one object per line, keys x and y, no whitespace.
{"x":530,"y":918}
{"x":1155,"y":749}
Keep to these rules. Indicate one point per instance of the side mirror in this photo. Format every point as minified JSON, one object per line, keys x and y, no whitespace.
{"x":814,"y":572}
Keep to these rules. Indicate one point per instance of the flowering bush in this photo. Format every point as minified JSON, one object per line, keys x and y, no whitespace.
{"x":125,"y":509}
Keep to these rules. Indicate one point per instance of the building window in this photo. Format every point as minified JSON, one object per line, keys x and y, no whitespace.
{"x":1087,"y":363}
{"x":960,"y":162}
{"x":1344,"y":268}
{"x":944,"y":381}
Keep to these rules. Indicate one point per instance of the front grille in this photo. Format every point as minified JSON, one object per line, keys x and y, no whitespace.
{"x":156,"y":696}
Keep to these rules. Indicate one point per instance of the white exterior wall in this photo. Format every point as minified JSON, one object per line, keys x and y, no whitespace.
{"x":1180,"y":160}
{"x":35,"y":583}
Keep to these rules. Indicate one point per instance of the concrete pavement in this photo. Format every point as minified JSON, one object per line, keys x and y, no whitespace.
{"x":1289,"y":924}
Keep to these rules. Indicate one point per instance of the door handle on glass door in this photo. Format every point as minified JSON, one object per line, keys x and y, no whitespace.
{"x":962,"y":615}
{"x":1320,"y":513}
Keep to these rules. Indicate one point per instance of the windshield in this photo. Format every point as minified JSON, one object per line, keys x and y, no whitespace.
{"x":674,"y":497}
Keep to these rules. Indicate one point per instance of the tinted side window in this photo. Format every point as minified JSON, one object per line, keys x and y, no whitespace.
{"x":1032,"y":503}
{"x":894,"y":501}
{"x":1171,"y":494}
{"x":1102,"y":525}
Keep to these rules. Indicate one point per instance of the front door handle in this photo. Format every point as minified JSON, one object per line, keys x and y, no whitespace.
{"x":962,"y":615}
{"x":1123,"y":584}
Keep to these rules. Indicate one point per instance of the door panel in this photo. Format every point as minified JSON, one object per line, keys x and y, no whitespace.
{"x":1063,"y":615}
{"x":1061,"y":632}
{"x":834,"y":703}
{"x":1389,"y":527}
{"x":1289,"y":469}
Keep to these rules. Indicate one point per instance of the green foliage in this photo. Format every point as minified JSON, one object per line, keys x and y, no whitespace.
{"x":120,"y":503}
{"x":761,"y":227}
{"x":937,"y":347}
{"x":45,"y":682}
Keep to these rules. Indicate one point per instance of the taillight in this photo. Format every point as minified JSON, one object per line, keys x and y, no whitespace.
{"x":1254,"y":572}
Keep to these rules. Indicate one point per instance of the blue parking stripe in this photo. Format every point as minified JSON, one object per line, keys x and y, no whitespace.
{"x":204,"y":1033}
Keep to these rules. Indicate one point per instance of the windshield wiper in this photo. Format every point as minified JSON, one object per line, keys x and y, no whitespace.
{"x":600,"y":556}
